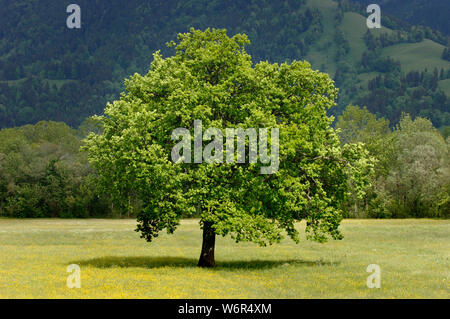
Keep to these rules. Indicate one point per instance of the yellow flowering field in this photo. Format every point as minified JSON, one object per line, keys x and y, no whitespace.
{"x":413,"y":256}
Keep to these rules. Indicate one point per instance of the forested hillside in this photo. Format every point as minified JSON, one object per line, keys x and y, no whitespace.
{"x":51,"y":72}
{"x":398,"y":68}
{"x":432,"y":13}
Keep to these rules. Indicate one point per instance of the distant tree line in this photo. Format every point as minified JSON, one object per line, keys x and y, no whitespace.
{"x":416,"y":93}
{"x":412,"y":171}
{"x":44,"y":174}
{"x":413,"y":35}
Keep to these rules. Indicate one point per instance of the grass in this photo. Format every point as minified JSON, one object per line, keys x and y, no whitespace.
{"x":354,"y":27}
{"x":444,"y":85}
{"x":116,"y":263}
{"x":418,"y":56}
{"x":323,"y":51}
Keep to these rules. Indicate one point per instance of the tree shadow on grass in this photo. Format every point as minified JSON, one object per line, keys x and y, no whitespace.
{"x":182,"y":262}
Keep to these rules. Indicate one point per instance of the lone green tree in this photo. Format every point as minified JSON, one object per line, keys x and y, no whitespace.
{"x":211,"y":78}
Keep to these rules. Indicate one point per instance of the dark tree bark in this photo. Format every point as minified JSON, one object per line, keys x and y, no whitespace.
{"x":209,"y":242}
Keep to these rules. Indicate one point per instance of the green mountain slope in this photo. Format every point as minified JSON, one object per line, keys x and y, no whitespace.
{"x":432,"y":13}
{"x":49,"y":72}
{"x":383,"y":86}
{"x":354,"y":27}
{"x":412,"y":56}
{"x":418,"y":56}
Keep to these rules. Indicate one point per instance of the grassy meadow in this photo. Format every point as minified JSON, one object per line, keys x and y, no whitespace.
{"x":116,"y":263}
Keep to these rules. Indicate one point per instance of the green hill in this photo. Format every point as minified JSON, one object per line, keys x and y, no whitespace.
{"x":445,"y":85}
{"x":431,"y":13}
{"x":412,"y":56}
{"x":385,"y":85}
{"x":50,"y":72}
{"x":418,"y":56}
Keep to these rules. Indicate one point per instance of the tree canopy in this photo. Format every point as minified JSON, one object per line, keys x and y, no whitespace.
{"x":412,"y":169}
{"x":43,"y":174}
{"x":211,"y":78}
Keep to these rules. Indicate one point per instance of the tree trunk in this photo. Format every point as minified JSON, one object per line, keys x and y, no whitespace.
{"x":209,"y":242}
